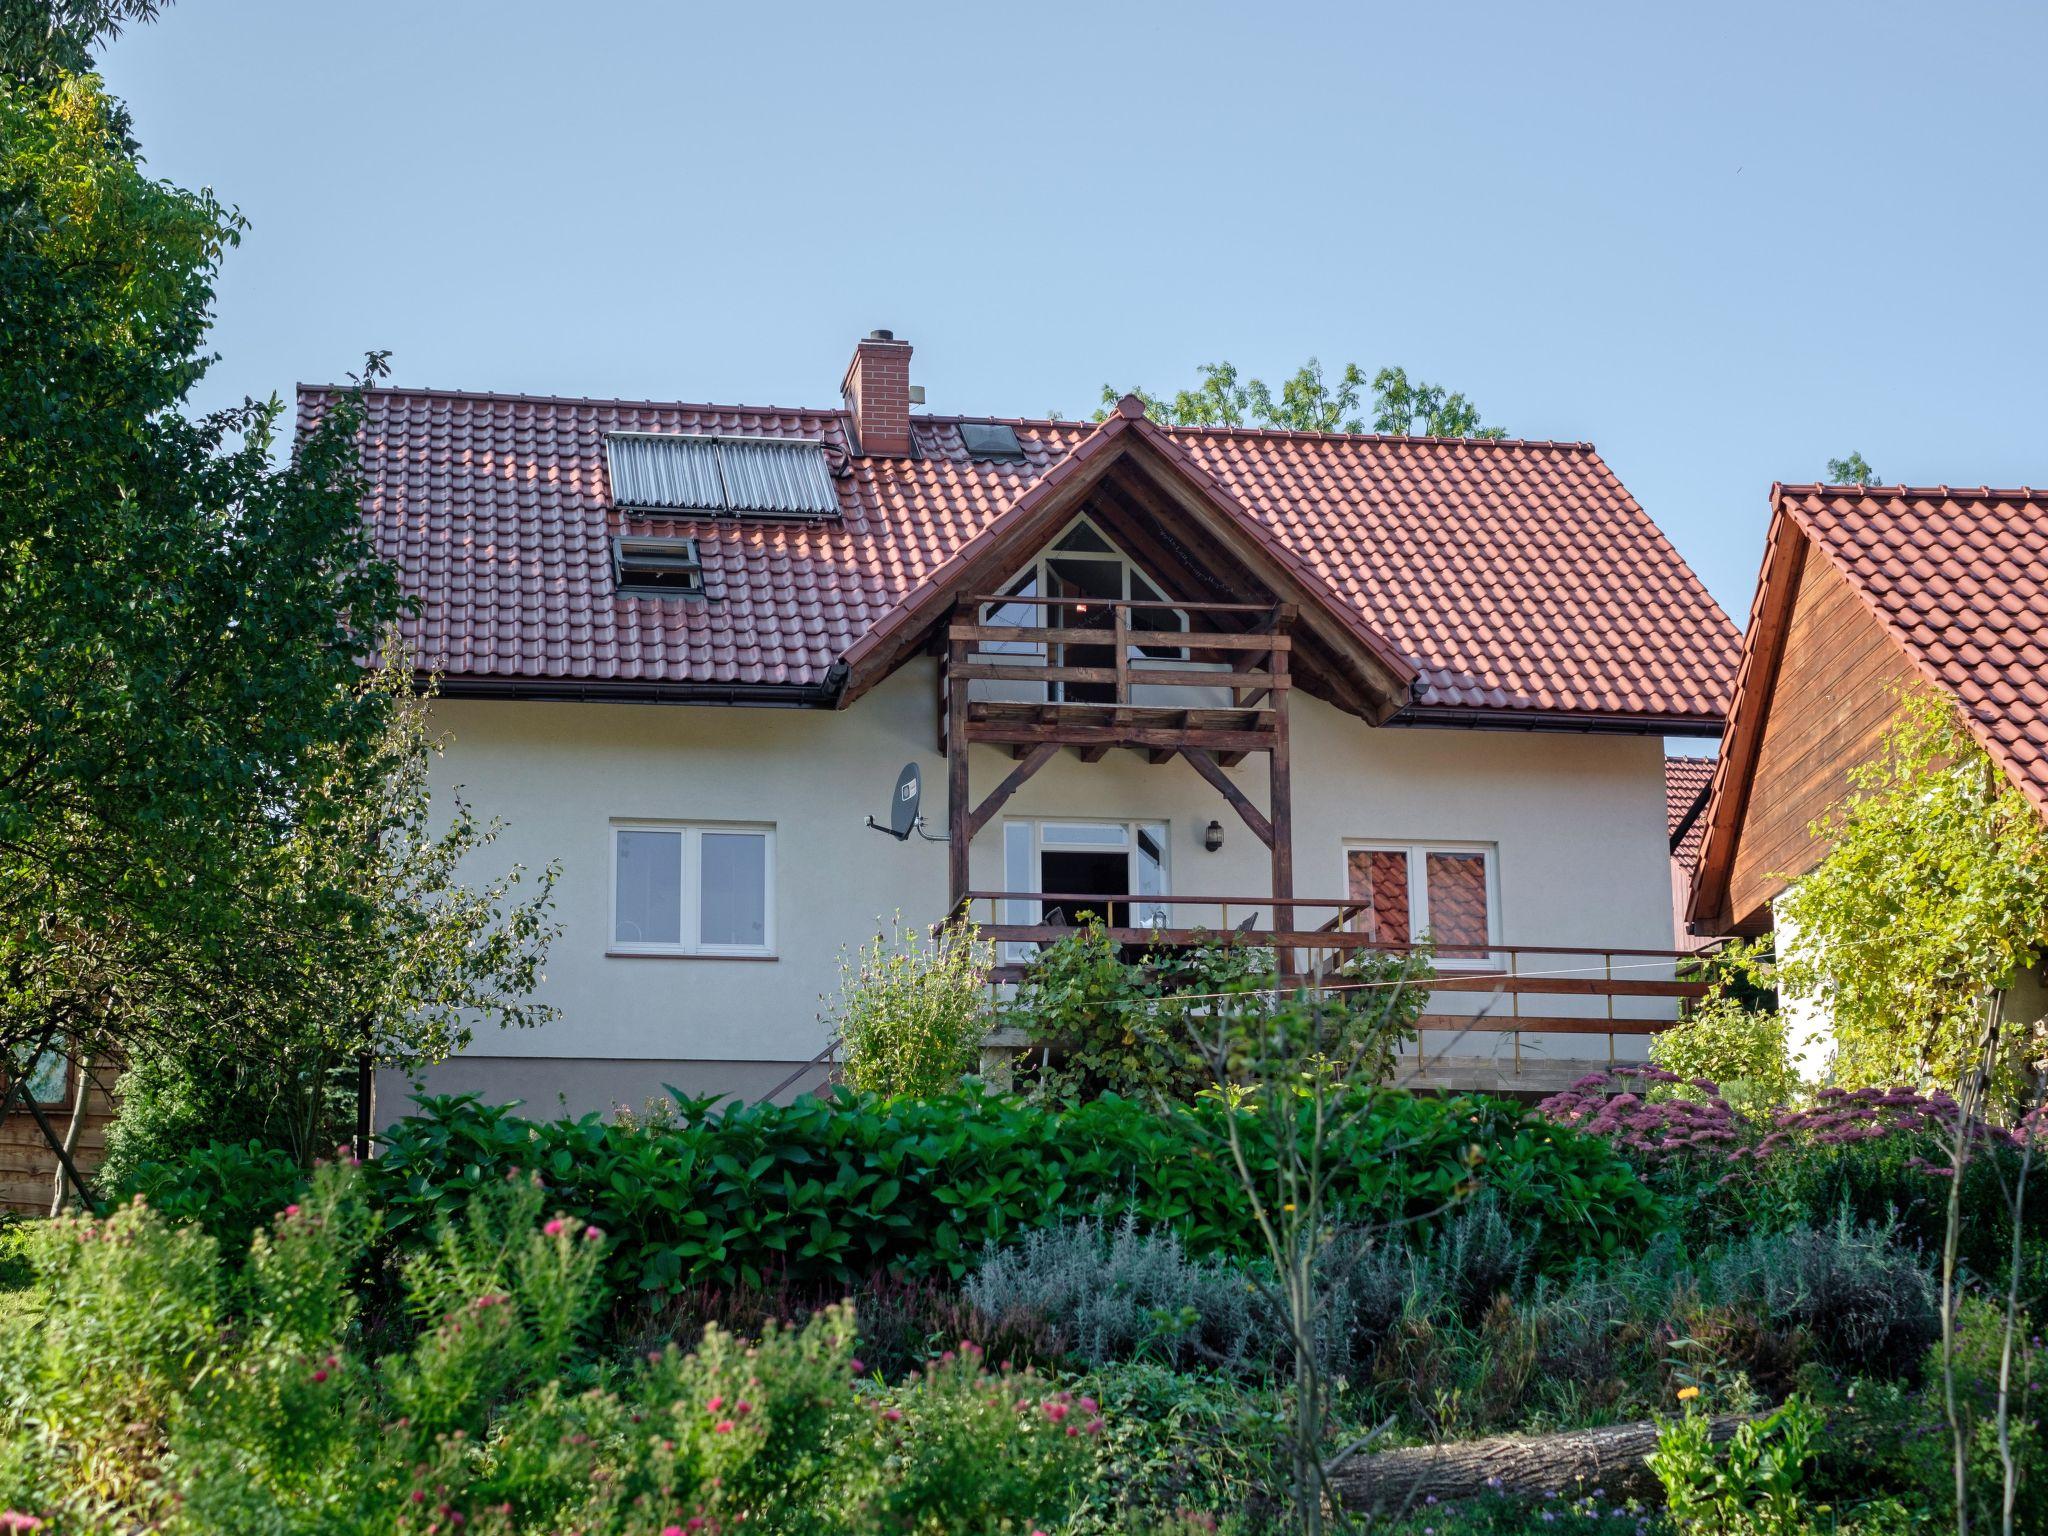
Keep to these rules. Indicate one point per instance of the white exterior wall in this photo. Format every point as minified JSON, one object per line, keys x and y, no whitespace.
{"x":1577,"y":822}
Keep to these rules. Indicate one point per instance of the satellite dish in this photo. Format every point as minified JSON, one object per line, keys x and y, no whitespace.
{"x":903,"y":805}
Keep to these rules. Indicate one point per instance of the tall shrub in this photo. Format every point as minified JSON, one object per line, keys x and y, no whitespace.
{"x":912,"y":1009}
{"x":1933,"y":895}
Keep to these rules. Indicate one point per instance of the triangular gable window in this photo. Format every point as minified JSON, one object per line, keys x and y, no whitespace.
{"x":1085,"y":573}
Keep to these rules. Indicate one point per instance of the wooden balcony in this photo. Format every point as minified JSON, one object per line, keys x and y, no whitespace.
{"x":1205,"y":682}
{"x":1099,"y":674}
{"x":1497,"y":995}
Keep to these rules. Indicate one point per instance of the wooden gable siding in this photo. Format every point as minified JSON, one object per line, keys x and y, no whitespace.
{"x":28,"y":1168}
{"x":1834,"y":693}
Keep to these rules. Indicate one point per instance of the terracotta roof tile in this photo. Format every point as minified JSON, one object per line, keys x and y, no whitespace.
{"x":1516,"y":577}
{"x":1960,"y":579}
{"x":1685,"y":781}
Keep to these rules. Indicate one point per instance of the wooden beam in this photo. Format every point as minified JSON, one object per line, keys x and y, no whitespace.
{"x":1036,"y":759}
{"x":1094,"y":754}
{"x":1280,"y":796}
{"x":1205,"y":765}
{"x":1004,"y":732}
{"x":960,"y":831}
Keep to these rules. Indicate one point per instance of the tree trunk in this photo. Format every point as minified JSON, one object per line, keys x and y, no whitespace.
{"x":1572,"y":1463}
{"x":81,"y":1087}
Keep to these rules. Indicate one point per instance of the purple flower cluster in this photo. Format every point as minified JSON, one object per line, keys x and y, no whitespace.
{"x":1616,"y":1104}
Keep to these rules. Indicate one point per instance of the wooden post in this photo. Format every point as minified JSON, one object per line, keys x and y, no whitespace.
{"x":366,"y":1092}
{"x":1281,"y":814}
{"x":958,"y":811}
{"x":1123,"y":654}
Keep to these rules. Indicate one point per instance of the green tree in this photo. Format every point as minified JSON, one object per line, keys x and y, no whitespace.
{"x":1932,"y":898}
{"x":391,"y":956}
{"x":1309,"y":402}
{"x":1424,"y":410}
{"x":184,"y":736}
{"x":1854,"y":470}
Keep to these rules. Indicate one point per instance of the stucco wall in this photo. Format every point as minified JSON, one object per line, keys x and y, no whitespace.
{"x":1578,"y":822}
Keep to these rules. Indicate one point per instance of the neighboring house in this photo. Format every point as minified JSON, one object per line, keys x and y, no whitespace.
{"x":1686,"y":783}
{"x":1337,"y":690}
{"x":1865,"y":591}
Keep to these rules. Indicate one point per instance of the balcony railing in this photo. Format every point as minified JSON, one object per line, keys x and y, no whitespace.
{"x":1490,"y":990}
{"x":1220,"y":667}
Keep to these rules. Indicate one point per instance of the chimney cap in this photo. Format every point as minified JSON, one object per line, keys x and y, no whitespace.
{"x":881,"y":335}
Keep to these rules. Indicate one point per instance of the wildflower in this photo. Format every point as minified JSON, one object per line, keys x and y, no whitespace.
{"x":858,"y":1367}
{"x":715,"y":1404}
{"x":556,"y":1227}
{"x":319,"y":1376}
{"x":1687,"y":1394}
{"x":894,"y":1415}
{"x":722,"y":1427}
{"x":15,"y":1520}
{"x":1055,"y":1411}
{"x":291,"y":1210}
{"x":593,"y":1235}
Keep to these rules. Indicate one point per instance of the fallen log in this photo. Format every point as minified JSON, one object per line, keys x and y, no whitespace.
{"x":1570,"y":1463}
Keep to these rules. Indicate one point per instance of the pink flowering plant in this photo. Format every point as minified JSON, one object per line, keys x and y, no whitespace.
{"x":161,"y":1389}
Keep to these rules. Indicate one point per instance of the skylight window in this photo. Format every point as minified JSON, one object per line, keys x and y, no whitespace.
{"x":657,"y":567}
{"x":675,"y":473}
{"x":990,"y":440}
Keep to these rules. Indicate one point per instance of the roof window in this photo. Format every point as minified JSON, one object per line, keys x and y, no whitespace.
{"x":657,"y":567}
{"x":990,"y":440}
{"x":674,"y":473}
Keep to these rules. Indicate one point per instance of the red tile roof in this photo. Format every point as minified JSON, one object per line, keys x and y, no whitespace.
{"x":1959,"y":578}
{"x":1518,"y":578}
{"x":1685,"y":781}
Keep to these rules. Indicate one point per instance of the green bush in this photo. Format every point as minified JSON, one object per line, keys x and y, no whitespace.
{"x":230,"y":1189}
{"x":162,"y":1392}
{"x":829,"y":1189}
{"x":912,"y":1009}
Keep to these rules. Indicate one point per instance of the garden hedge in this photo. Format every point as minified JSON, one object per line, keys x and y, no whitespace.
{"x":825,"y":1190}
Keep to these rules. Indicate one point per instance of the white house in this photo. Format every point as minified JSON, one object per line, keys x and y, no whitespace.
{"x":1339,"y":688}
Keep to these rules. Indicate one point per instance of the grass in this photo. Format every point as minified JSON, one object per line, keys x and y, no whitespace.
{"x":20,"y":1295}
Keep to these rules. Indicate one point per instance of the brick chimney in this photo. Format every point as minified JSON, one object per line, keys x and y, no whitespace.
{"x":877,"y":391}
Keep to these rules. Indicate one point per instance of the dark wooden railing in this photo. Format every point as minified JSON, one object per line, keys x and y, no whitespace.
{"x":1238,"y":646}
{"x":1508,"y":981}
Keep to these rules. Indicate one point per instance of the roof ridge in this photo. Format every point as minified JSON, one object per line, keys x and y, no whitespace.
{"x":1944,"y":492}
{"x":937,"y":418}
{"x":428,"y":392}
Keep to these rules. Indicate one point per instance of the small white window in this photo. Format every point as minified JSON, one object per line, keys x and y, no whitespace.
{"x":1404,"y":892}
{"x":693,"y":890}
{"x":47,"y":1077}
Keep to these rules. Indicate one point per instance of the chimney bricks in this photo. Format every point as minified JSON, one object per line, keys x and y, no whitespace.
{"x":877,"y":391}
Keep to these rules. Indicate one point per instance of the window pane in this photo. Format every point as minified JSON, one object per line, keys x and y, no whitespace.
{"x":1085,"y":834}
{"x":1083,"y":537}
{"x":735,"y":888}
{"x":1379,"y":885}
{"x":46,"y":1076}
{"x":1457,"y":899}
{"x":1018,"y":875}
{"x":1151,"y":862}
{"x":1015,"y":616}
{"x":650,"y":890}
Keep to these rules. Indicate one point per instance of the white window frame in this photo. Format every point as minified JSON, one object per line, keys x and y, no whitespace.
{"x":692,"y":902}
{"x":1418,"y":889}
{"x":1041,"y":577}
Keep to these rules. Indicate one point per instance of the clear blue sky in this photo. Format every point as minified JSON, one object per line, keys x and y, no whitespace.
{"x":1723,"y":242}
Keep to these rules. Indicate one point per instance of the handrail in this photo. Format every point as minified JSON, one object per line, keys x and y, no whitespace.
{"x":1096,"y":898}
{"x":999,"y":600}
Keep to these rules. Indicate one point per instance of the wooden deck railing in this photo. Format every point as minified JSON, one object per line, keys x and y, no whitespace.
{"x":1234,"y":646}
{"x":1516,"y":989}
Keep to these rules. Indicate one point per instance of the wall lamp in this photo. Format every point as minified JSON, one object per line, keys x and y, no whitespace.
{"x":1212,"y":836}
